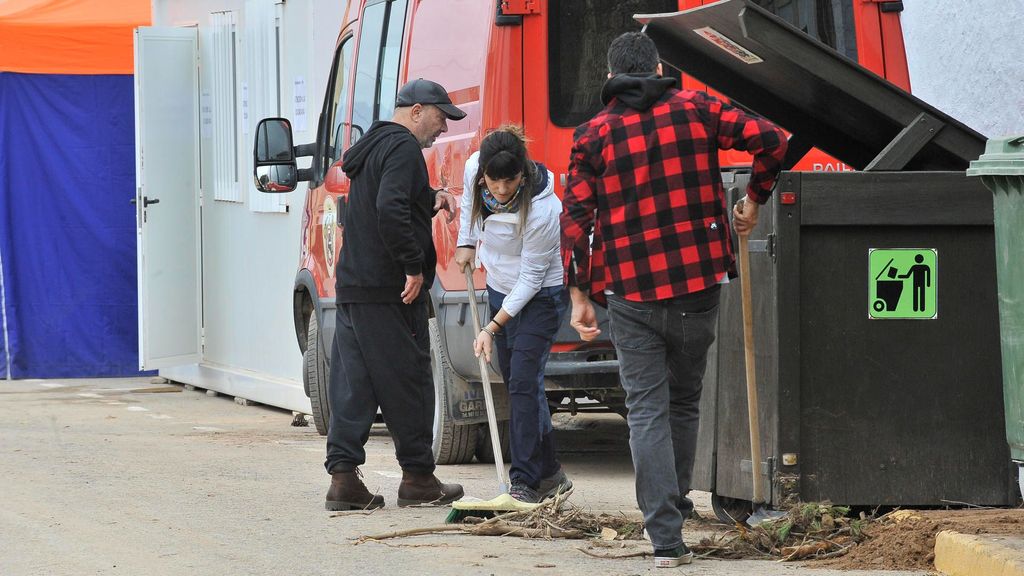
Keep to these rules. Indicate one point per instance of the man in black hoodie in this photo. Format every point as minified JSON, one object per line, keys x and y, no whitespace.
{"x":381,"y":352}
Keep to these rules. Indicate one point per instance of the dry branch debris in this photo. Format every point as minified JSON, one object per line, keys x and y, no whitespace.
{"x":552,"y":519}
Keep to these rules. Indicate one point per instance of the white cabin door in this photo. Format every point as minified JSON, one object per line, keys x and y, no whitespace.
{"x":167,"y":196}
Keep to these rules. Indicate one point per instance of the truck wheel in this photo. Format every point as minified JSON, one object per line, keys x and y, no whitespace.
{"x":315,"y":375}
{"x":731,"y":510}
{"x":453,"y":443}
{"x":484,"y":452}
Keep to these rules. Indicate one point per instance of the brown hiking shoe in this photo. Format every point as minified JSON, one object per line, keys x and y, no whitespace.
{"x":420,"y":489}
{"x":347,"y":492}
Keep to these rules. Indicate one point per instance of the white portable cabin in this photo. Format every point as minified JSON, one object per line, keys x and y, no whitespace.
{"x":217,"y":258}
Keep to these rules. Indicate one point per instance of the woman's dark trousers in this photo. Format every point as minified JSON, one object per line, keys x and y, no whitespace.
{"x":523,"y":346}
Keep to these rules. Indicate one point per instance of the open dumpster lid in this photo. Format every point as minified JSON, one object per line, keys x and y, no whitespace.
{"x":824,"y":100}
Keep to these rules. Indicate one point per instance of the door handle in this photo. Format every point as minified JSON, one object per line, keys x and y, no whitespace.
{"x":146,"y":201}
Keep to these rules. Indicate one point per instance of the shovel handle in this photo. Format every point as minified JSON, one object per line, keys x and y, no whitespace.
{"x":485,"y":378}
{"x":748,"y":351}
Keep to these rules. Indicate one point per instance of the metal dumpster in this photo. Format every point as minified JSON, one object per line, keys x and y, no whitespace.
{"x":875,"y":304}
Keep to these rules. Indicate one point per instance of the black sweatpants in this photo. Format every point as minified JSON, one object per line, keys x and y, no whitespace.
{"x":381,"y":358}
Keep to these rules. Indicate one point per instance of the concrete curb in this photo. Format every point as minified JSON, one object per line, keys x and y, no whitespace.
{"x":982,"y":555}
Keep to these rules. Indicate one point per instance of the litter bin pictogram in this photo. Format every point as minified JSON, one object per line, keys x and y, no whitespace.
{"x":902,"y":283}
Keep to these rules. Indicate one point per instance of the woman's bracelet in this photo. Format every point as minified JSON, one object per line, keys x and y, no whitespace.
{"x":486,"y":329}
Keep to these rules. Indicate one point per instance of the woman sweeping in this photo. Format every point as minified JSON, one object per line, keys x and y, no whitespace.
{"x":510,"y":210}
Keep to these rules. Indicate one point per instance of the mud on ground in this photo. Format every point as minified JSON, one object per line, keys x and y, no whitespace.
{"x":905,"y":540}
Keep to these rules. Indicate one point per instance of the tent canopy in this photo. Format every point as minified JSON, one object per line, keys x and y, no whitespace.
{"x":69,"y":36}
{"x":67,"y":172}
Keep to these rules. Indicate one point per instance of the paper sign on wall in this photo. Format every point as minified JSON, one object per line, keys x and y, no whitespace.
{"x":299,"y":104}
{"x":245,"y":108}
{"x":205,"y":114}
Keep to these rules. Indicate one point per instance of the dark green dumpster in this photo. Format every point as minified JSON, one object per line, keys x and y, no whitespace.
{"x":875,"y":307}
{"x":1001,"y":168}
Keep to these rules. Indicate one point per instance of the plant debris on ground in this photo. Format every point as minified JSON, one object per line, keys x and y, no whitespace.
{"x":819,"y":531}
{"x":554,"y":518}
{"x":811,"y":530}
{"x":808,"y":530}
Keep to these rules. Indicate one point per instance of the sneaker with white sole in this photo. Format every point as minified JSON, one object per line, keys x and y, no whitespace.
{"x":672,"y":557}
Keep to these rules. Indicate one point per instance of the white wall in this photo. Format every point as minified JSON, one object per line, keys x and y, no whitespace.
{"x":965,"y":59}
{"x":250,"y":258}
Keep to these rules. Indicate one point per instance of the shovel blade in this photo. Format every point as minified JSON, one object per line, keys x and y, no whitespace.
{"x":762,"y":513}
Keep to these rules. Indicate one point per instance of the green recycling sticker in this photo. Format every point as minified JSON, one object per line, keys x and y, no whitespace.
{"x":903,"y":283}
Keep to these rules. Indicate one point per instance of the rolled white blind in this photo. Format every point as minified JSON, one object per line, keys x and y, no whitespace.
{"x":224,"y":107}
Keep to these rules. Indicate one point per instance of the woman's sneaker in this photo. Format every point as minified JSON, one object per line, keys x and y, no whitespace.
{"x":557,"y":483}
{"x":672,"y":557}
{"x":522,"y":492}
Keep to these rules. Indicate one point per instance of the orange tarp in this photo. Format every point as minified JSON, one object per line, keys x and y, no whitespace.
{"x":70,"y":36}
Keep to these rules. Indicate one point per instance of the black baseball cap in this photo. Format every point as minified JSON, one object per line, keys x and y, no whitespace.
{"x":420,"y":91}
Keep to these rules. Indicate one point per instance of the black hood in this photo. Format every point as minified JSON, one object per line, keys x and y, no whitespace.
{"x":355,"y":157}
{"x":638,"y":91}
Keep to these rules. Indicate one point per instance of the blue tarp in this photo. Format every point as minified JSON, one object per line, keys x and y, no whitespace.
{"x":67,"y":230}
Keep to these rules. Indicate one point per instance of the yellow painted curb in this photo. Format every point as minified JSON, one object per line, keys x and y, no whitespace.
{"x":967,"y":555}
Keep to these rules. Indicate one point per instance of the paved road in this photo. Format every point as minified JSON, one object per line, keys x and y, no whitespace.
{"x":125,"y":477}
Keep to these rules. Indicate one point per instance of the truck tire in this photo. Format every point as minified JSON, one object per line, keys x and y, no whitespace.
{"x":315,"y":375}
{"x":484,"y":452}
{"x":453,"y":443}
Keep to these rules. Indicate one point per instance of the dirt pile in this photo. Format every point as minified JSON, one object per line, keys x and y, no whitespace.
{"x":824,"y":534}
{"x":905,"y":539}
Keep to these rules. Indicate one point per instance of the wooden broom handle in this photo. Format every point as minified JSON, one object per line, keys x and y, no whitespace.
{"x":485,"y":378}
{"x":748,"y":350}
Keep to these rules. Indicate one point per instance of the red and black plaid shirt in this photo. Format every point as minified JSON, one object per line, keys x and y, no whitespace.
{"x":652,"y":176}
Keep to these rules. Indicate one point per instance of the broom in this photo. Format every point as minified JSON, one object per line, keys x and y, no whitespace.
{"x":504,"y":502}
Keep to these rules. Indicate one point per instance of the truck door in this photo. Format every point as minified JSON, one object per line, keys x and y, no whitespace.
{"x":328,"y":192}
{"x":167,"y":196}
{"x":354,"y":101}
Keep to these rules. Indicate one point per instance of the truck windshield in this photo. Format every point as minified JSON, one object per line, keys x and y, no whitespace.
{"x":579,"y":32}
{"x":828,"y":21}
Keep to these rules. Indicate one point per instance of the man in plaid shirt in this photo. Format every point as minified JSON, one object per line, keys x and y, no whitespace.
{"x":646,"y":169}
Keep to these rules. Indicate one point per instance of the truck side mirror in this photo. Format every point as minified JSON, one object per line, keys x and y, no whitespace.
{"x":274,"y":156}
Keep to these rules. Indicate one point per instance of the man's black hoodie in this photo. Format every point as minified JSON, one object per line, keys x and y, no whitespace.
{"x":387,"y":223}
{"x":638,"y":91}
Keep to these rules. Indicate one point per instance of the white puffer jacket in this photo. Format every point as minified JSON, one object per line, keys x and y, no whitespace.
{"x":518,"y":264}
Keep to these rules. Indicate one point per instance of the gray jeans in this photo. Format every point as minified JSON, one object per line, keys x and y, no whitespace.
{"x":662,"y":349}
